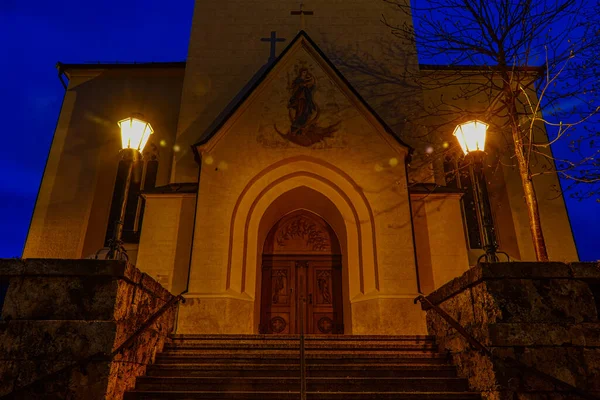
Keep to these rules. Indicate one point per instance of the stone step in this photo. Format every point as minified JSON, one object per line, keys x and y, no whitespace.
{"x":296,"y":343}
{"x":266,"y":367}
{"x":322,"y":358}
{"x":292,"y":350}
{"x":295,"y":395}
{"x":270,"y":346}
{"x":296,"y":338}
{"x":282,"y":384}
{"x":291,"y":353}
{"x":293,"y":370}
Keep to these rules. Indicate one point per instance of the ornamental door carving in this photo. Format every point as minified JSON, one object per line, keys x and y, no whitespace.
{"x":301,"y":272}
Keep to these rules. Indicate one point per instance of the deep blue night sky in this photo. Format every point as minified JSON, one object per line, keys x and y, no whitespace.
{"x":35,"y":34}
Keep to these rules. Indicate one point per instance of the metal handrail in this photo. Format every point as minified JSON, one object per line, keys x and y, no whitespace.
{"x":512,"y":362}
{"x":102,"y":355}
{"x":174,"y":301}
{"x":302,"y":351}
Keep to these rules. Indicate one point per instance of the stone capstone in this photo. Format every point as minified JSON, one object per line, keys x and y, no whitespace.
{"x":543,"y":315}
{"x":62,"y":319}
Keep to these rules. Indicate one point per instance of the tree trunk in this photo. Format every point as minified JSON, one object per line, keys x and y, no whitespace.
{"x":535,"y":224}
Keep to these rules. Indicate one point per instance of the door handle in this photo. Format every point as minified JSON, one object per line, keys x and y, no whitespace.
{"x":310,"y":298}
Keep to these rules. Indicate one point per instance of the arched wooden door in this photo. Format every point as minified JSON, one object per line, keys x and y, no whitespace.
{"x":301,"y":270}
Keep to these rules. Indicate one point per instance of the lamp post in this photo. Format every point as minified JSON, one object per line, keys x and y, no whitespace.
{"x":471,"y":137}
{"x":134,"y":136}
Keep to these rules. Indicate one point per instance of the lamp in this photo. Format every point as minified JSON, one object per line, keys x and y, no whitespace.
{"x":471,"y":137}
{"x":135,"y":133}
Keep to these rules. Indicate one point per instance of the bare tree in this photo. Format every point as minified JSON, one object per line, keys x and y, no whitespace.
{"x":541,"y":62}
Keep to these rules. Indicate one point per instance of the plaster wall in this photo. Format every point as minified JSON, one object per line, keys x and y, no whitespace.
{"x":166,"y":239}
{"x":504,"y":184}
{"x":440,"y":239}
{"x":247,"y":166}
{"x":71,"y":213}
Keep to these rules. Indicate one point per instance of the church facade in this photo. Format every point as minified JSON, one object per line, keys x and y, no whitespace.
{"x":282,"y":175}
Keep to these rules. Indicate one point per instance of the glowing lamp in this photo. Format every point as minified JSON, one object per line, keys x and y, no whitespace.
{"x":471,"y":136}
{"x":135,"y":133}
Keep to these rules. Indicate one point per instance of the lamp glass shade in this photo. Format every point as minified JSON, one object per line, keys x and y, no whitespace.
{"x":135,"y":133}
{"x":471,"y":136}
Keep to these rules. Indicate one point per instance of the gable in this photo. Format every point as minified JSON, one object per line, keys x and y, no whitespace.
{"x":303,"y":100}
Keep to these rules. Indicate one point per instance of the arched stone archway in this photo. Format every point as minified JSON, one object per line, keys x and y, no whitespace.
{"x":355,"y":216}
{"x":310,"y":200}
{"x":230,"y":301}
{"x":301,"y":277}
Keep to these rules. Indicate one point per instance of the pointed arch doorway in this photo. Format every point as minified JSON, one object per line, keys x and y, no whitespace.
{"x":301,"y":271}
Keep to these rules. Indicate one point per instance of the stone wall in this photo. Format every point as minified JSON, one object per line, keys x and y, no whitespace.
{"x":59,"y":312}
{"x":543,"y":315}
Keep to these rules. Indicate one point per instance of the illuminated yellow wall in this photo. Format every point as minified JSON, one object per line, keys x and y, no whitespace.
{"x":504,"y":184}
{"x":441,"y":246}
{"x":71,"y":213}
{"x":166,"y":240}
{"x":247,"y":166}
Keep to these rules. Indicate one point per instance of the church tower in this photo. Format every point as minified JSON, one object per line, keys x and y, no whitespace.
{"x":229,"y":44}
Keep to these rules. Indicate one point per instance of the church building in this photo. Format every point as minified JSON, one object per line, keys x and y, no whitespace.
{"x":287,"y":169}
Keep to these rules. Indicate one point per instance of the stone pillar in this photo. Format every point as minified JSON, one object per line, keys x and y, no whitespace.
{"x":59,"y":312}
{"x":544,"y":315}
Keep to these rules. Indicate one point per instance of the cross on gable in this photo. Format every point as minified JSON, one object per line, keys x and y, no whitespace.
{"x":273,"y":39}
{"x":302,"y":13}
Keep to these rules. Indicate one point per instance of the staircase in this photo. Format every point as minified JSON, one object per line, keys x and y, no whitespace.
{"x":267,"y":367}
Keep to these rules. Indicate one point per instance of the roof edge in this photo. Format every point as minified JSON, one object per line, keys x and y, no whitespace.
{"x":82,"y":66}
{"x":258,"y":82}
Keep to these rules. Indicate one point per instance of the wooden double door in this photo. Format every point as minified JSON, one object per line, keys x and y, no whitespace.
{"x":303,"y":291}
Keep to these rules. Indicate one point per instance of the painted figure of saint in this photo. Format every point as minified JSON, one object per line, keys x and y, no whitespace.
{"x":304,"y":112}
{"x":301,"y":104}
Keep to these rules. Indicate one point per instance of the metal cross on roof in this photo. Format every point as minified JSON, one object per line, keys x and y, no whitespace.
{"x":302,"y":13}
{"x":273,"y":39}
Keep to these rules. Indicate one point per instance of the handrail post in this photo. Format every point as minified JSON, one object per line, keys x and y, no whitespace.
{"x":302,"y":356}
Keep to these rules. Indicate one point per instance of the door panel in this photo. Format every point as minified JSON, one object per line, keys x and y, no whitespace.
{"x":287,"y":281}
{"x":302,"y":294}
{"x":324,"y":310}
{"x":278,"y":300}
